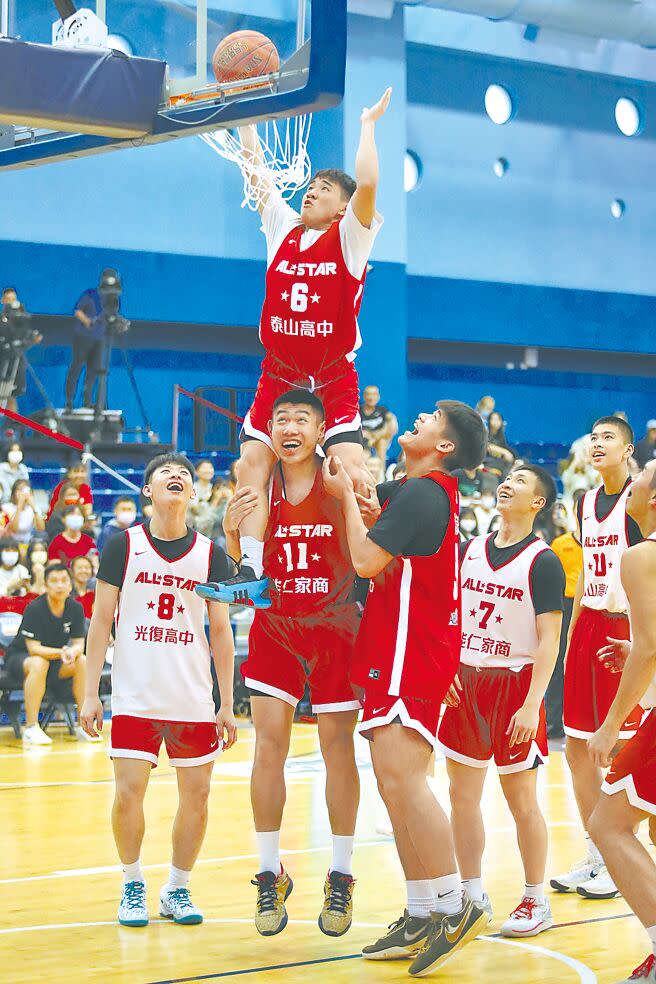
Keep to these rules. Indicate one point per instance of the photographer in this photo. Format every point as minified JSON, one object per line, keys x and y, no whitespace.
{"x":16,"y":332}
{"x":96,"y":313}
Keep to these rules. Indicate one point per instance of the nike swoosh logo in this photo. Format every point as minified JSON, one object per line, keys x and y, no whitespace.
{"x":277,"y":502}
{"x":378,"y":710}
{"x":453,"y":934}
{"x":138,"y":553}
{"x":413,"y":937}
{"x":513,"y":757}
{"x":339,"y":420}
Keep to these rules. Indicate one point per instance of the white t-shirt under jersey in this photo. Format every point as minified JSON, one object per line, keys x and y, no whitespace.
{"x":279,"y":219}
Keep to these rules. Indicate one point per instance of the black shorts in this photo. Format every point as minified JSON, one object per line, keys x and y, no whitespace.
{"x":54,"y":683}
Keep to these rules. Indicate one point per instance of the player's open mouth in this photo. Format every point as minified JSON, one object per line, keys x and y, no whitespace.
{"x":291,"y":445}
{"x":597,"y":455}
{"x":175,"y":487}
{"x":504,"y":495}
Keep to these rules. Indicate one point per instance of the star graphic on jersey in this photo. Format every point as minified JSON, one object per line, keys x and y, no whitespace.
{"x":151,"y":604}
{"x":589,"y":567}
{"x":315,"y":298}
{"x":284,"y":296}
{"x":180,"y":610}
{"x":499,"y":618}
{"x":291,"y":242}
{"x":281,"y":558}
{"x":316,"y":557}
{"x":610,"y":564}
{"x":473,"y":613}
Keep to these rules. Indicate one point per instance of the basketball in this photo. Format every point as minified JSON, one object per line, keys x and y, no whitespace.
{"x":244,"y":55}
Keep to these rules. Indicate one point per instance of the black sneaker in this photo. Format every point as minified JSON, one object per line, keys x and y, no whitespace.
{"x":447,"y":935}
{"x":242,"y":589}
{"x":402,"y":941}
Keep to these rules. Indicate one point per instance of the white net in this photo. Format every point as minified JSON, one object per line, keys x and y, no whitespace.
{"x":279,"y":157}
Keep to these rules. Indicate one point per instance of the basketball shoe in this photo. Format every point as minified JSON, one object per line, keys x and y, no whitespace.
{"x":599,"y":886}
{"x":272,"y":893}
{"x":35,"y":736}
{"x":645,"y":972}
{"x":176,"y":904}
{"x":580,"y":873}
{"x":242,"y":589}
{"x":446,"y":935}
{"x":403,"y":939}
{"x":132,"y":910}
{"x":528,"y":919}
{"x":337,"y":913}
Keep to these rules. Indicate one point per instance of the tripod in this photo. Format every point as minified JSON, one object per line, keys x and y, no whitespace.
{"x":101,"y":395}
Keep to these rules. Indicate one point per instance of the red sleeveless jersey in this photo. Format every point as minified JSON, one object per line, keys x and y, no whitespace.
{"x":410,"y":635}
{"x":306,"y":554}
{"x":309,"y":322}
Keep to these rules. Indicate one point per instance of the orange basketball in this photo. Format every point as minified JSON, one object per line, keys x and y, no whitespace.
{"x":244,"y":55}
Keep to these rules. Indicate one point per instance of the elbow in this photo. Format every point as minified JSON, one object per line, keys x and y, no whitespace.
{"x":365,"y":569}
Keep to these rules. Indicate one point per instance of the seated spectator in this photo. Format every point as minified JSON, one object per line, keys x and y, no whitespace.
{"x":485,"y":406}
{"x":68,"y":496}
{"x":12,"y":468}
{"x":468,"y":524}
{"x":72,"y":542}
{"x":76,"y":475}
{"x":379,"y":425}
{"x":23,"y":518}
{"x":49,"y":650}
{"x":84,"y":583}
{"x":469,"y":481}
{"x":500,"y":456}
{"x":645,"y":449}
{"x":36,"y":560}
{"x":485,"y":509}
{"x":207,"y":517}
{"x":204,"y":480}
{"x":578,"y":473}
{"x":14,"y":578}
{"x":125,"y":515}
{"x":552,"y":524}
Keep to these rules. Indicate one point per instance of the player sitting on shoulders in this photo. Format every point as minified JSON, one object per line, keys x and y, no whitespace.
{"x":316,"y":269}
{"x":161,"y":679}
{"x":512,"y":587}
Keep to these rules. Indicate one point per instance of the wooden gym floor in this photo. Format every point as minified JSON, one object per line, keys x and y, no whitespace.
{"x":60,"y":882}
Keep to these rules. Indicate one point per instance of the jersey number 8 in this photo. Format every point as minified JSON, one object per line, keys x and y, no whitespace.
{"x":165,"y":607}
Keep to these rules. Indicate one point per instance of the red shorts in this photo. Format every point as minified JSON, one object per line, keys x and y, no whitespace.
{"x":475,"y":732}
{"x":187,"y":742}
{"x":285,"y":651}
{"x":589,"y":687}
{"x":422,"y":716}
{"x":634,"y":768}
{"x":340,"y":397}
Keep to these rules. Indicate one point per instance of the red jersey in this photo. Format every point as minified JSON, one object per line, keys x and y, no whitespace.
{"x":64,"y":551}
{"x":306,"y":554}
{"x":86,"y":496}
{"x":86,"y":600}
{"x":309,"y":322}
{"x":409,"y":639}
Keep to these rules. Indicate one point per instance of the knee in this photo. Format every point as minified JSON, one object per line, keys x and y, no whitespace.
{"x":575,"y":752}
{"x":196,"y":795}
{"x":391,"y":785}
{"x":128,"y":794}
{"x":337,"y":747}
{"x":270,"y":753}
{"x":462,"y":798}
{"x":523,"y":808}
{"x":35,"y":666}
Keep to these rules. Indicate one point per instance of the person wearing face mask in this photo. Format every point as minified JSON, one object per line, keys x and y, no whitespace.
{"x":23,"y":518}
{"x":468,"y":524}
{"x":11,"y":469}
{"x":72,"y":542}
{"x":69,"y":496}
{"x":485,"y":509}
{"x":125,"y":515}
{"x":14,"y":578}
{"x":36,"y":559}
{"x":76,"y":475}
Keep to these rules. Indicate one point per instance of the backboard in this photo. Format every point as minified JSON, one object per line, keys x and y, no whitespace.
{"x":310,"y":36}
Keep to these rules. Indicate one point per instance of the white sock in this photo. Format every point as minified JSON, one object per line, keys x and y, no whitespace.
{"x":177,"y":879}
{"x":447,"y":894}
{"x":342,"y":854}
{"x":594,"y":853}
{"x":132,"y":872}
{"x":420,"y":898}
{"x":474,"y":888}
{"x":252,"y":555}
{"x":268,"y":847}
{"x":651,"y":932}
{"x":534,"y":892}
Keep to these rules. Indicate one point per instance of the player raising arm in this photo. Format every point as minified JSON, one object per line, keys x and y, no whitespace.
{"x":316,"y":270}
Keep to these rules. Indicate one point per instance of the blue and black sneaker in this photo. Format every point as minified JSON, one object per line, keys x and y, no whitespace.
{"x":242,"y":589}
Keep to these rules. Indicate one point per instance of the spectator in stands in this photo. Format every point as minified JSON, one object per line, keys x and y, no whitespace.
{"x":12,"y":468}
{"x":68,"y":496}
{"x":84,"y":583}
{"x":76,"y":475}
{"x":204,"y":480}
{"x":485,"y":406}
{"x":23,"y":518}
{"x":485,"y":509}
{"x":468,"y":524}
{"x":207,"y":517}
{"x":500,"y":456}
{"x":125,"y":515}
{"x":469,"y":481}
{"x":36,"y":560}
{"x":578,"y":473}
{"x":495,"y":523}
{"x":645,"y":449}
{"x":14,"y":577}
{"x":49,"y":650}
{"x":554,"y":523}
{"x":379,"y":425}
{"x":72,"y":542}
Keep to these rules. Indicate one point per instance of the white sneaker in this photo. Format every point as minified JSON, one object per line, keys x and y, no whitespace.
{"x":177,"y":905}
{"x":81,"y":735}
{"x":645,"y":972}
{"x":132,"y":910}
{"x":35,"y":736}
{"x":580,"y":873}
{"x":528,"y":919}
{"x":599,"y":886}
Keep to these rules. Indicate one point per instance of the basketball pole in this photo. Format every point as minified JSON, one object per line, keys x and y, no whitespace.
{"x":4,"y":18}
{"x":300,"y":23}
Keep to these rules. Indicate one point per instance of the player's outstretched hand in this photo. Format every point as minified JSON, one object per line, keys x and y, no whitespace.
{"x":373,"y":114}
{"x":524,"y":724}
{"x":613,"y":656}
{"x":242,"y":504}
{"x":91,"y":716}
{"x":336,"y":479}
{"x":601,"y":745}
{"x":226,"y":725}
{"x":452,"y":698}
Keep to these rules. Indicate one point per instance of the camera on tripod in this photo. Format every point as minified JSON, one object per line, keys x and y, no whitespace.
{"x":110,"y":290}
{"x":16,"y":331}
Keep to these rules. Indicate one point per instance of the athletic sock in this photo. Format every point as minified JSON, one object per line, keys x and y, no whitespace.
{"x":651,"y":932}
{"x":474,"y":888}
{"x":268,"y":847}
{"x":342,"y":854}
{"x":177,"y":879}
{"x":534,"y":892}
{"x":252,"y":554}
{"x":447,"y":894}
{"x":132,"y":872}
{"x":420,"y":898}
{"x":594,"y":853}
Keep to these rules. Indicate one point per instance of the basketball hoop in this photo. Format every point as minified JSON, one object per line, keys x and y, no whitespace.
{"x":283,"y":159}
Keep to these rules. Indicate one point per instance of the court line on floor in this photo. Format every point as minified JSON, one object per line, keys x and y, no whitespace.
{"x":586,"y":974}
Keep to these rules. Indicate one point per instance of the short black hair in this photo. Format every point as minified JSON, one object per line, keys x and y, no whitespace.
{"x":9,"y":542}
{"x":341,"y":178}
{"x":56,"y":569}
{"x":168,"y":458}
{"x":623,"y":426}
{"x":467,"y":431}
{"x":545,"y":483}
{"x":300,"y":397}
{"x":123,"y":498}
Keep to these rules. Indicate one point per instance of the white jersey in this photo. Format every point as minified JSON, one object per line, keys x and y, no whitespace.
{"x":161,"y":665}
{"x":499,"y":627}
{"x":604,"y":541}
